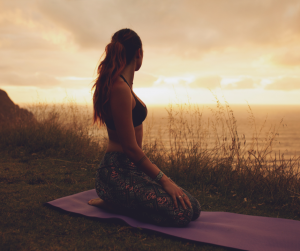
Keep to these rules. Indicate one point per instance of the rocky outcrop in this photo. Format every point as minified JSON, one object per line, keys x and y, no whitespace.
{"x":12,"y":113}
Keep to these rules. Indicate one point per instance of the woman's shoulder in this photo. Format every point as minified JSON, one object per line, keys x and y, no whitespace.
{"x":120,"y":88}
{"x":119,"y":84}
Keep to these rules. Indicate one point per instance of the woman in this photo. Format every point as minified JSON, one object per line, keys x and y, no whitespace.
{"x":127,"y":181}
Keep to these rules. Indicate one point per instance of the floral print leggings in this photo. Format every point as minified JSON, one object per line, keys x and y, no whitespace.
{"x":120,"y":183}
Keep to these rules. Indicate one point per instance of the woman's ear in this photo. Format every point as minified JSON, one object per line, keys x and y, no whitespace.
{"x":139,"y":53}
{"x":138,"y":59}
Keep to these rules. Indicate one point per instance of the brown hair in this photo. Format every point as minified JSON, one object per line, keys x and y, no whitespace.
{"x":118,"y":53}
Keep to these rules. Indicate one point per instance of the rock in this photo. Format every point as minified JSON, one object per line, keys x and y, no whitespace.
{"x":12,"y":113}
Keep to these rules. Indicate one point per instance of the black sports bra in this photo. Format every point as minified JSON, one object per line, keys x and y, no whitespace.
{"x":139,"y":113}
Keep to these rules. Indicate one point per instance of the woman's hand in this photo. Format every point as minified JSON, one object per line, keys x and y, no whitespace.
{"x":175,"y":192}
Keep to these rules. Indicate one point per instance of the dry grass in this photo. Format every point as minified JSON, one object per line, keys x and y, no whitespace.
{"x":61,"y":130}
{"x":203,"y":153}
{"x":210,"y":154}
{"x":58,"y":155}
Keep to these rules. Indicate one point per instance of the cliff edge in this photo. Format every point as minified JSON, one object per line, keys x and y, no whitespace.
{"x":12,"y":113}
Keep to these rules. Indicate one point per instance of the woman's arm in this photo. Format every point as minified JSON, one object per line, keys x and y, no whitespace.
{"x":121,"y":108}
{"x":139,"y":131}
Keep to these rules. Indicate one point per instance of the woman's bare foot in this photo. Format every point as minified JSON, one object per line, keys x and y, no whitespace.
{"x":101,"y":203}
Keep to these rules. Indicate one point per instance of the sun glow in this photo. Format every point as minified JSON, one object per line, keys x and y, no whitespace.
{"x":48,"y":52}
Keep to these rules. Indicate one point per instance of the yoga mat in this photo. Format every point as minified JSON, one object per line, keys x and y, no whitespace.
{"x":220,"y":228}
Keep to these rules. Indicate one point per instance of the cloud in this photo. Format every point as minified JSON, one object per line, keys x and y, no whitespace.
{"x":91,"y":23}
{"x":23,"y":41}
{"x":60,"y":38}
{"x":38,"y":80}
{"x":289,"y":58}
{"x":142,"y":79}
{"x":185,"y":27}
{"x":246,"y":83}
{"x":209,"y":82}
{"x":285,"y":84}
{"x":24,"y":28}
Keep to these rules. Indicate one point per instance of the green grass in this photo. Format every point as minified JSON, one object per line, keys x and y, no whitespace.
{"x":27,"y":224}
{"x":57,"y":156}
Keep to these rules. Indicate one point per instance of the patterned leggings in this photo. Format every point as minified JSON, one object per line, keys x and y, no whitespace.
{"x":120,"y":183}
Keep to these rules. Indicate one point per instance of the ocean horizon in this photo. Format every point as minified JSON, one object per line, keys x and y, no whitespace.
{"x":284,"y":120}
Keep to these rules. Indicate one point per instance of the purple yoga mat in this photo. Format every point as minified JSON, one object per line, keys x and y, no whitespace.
{"x":220,"y":228}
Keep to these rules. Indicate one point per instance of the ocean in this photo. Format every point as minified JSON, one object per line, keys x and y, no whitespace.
{"x":257,"y":127}
{"x":266,"y":123}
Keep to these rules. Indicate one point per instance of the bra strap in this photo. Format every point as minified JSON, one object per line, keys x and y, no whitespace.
{"x":124,"y":80}
{"x":129,"y":86}
{"x":135,"y":97}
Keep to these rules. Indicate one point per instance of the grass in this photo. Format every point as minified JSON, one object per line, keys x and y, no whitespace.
{"x":58,"y":156}
{"x":212,"y":156}
{"x":59,"y":132}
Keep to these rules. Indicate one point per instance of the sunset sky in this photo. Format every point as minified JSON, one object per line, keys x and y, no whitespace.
{"x":244,"y":50}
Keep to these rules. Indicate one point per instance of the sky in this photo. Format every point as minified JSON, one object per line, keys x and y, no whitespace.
{"x":241,"y":51}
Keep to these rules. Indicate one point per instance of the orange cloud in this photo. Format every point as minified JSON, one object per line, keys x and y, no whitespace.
{"x":209,"y":82}
{"x":61,"y":38}
{"x":142,"y":79}
{"x":242,"y":84}
{"x":39,"y":80}
{"x":290,"y":58}
{"x":285,"y":84}
{"x":185,"y":27}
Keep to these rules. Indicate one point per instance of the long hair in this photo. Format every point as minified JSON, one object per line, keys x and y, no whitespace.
{"x":118,"y":53}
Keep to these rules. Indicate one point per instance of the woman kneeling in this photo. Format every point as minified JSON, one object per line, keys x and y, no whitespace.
{"x":127,"y":181}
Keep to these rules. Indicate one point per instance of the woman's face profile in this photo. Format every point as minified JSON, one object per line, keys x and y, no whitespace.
{"x":139,"y":59}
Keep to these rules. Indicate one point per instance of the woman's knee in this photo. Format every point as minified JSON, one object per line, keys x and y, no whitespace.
{"x":182,"y":217}
{"x":195,"y":204}
{"x":196,"y":208}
